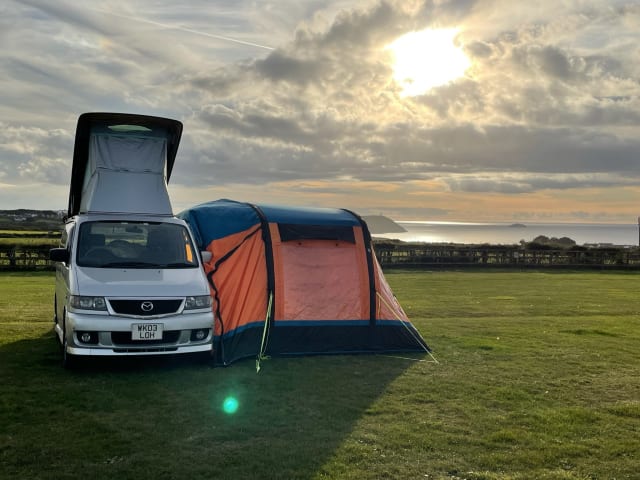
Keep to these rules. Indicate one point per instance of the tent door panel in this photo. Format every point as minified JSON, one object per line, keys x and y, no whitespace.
{"x":322,"y":280}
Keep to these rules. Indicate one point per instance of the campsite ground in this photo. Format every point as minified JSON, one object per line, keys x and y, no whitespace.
{"x":537,"y":378}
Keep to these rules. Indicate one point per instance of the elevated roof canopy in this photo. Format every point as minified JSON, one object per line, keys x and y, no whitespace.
{"x":122,"y":163}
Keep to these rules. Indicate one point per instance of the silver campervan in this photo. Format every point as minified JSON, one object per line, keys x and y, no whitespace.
{"x":129,"y":280}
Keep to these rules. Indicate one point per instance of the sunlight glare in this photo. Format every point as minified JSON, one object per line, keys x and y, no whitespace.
{"x":427,"y":59}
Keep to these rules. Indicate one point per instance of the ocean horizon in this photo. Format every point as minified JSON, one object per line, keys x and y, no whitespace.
{"x":512,"y":233}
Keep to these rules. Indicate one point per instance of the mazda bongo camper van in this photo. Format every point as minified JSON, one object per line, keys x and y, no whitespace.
{"x":129,"y":280}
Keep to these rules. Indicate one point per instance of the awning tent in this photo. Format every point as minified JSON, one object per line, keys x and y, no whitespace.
{"x":296,"y":281}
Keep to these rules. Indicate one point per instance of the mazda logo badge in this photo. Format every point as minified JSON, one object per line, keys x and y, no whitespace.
{"x":146,"y":306}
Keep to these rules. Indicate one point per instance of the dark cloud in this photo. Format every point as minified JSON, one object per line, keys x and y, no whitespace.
{"x":282,"y":67}
{"x":552,"y":61}
{"x":515,"y":183}
{"x":278,"y":148}
{"x":476,"y":184}
{"x":478,"y":49}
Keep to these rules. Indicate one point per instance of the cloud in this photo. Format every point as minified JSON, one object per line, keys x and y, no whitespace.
{"x":515,"y":183}
{"x":34,"y":155}
{"x":312,"y":105}
{"x":551,"y":102}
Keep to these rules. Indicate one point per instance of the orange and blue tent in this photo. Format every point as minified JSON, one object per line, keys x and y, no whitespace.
{"x":296,"y":281}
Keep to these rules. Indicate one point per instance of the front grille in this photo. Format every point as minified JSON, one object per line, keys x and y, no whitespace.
{"x":124,"y":338}
{"x":145,"y":307}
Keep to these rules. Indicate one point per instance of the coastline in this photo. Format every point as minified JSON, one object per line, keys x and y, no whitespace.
{"x":588,"y":234}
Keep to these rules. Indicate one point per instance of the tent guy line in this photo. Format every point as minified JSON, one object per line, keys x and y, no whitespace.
{"x":411,"y":332}
{"x":408,"y":358}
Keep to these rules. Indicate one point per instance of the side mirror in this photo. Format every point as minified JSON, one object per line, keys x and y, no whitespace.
{"x":206,"y":256}
{"x":59,"y":255}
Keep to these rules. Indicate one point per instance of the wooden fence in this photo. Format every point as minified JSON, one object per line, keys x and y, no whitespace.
{"x":25,"y":258}
{"x":426,"y":255}
{"x":509,"y":256}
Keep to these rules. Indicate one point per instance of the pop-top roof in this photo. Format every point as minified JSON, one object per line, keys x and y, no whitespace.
{"x":122,"y":163}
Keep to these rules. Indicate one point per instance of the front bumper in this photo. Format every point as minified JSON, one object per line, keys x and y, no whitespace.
{"x":111,"y":335}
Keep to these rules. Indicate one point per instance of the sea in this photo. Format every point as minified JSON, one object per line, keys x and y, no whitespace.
{"x":513,"y":233}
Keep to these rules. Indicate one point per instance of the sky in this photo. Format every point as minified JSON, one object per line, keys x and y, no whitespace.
{"x":300,"y":102}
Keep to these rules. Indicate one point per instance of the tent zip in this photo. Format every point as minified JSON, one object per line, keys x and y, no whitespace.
{"x":271,"y":277}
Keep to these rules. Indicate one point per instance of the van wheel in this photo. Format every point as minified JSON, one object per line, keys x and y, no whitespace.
{"x":55,"y":309}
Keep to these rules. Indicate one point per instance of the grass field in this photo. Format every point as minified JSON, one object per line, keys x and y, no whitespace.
{"x":29,"y":242}
{"x":23,"y":232}
{"x":538,"y":378}
{"x":28,"y":238}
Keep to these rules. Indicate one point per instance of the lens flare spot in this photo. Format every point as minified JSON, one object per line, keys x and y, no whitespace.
{"x":230,"y":405}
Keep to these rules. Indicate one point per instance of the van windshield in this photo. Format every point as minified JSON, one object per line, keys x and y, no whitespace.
{"x":118,"y":244}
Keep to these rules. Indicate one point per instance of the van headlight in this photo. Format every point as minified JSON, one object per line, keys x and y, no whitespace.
{"x":82,"y":302}
{"x":199,"y":301}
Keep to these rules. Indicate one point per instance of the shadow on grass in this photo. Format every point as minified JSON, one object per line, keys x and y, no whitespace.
{"x":583,"y":331}
{"x":164,"y":418}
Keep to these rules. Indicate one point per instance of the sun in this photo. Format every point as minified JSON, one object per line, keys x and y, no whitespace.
{"x":427,"y":59}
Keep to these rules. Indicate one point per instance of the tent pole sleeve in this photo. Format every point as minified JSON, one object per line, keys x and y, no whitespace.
{"x":265,"y":335}
{"x":268,"y":254}
{"x":368,"y":248}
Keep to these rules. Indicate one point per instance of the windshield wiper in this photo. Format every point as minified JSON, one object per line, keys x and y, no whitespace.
{"x":177,"y":265}
{"x":147,"y":265}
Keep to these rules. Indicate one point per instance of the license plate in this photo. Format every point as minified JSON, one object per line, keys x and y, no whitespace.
{"x":146,"y":331}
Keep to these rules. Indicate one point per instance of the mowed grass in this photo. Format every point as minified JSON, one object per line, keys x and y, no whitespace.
{"x":538,"y":377}
{"x":29,"y":242}
{"x":23,"y":232}
{"x":15,"y":238}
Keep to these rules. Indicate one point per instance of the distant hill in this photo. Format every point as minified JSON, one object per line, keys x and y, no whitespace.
{"x":380,"y":224}
{"x":52,"y":220}
{"x":24,"y":219}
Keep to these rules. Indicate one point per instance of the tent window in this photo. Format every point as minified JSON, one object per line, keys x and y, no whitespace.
{"x":290,"y":232}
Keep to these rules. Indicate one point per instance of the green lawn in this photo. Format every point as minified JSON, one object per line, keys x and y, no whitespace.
{"x":15,"y":241}
{"x":538,"y":377}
